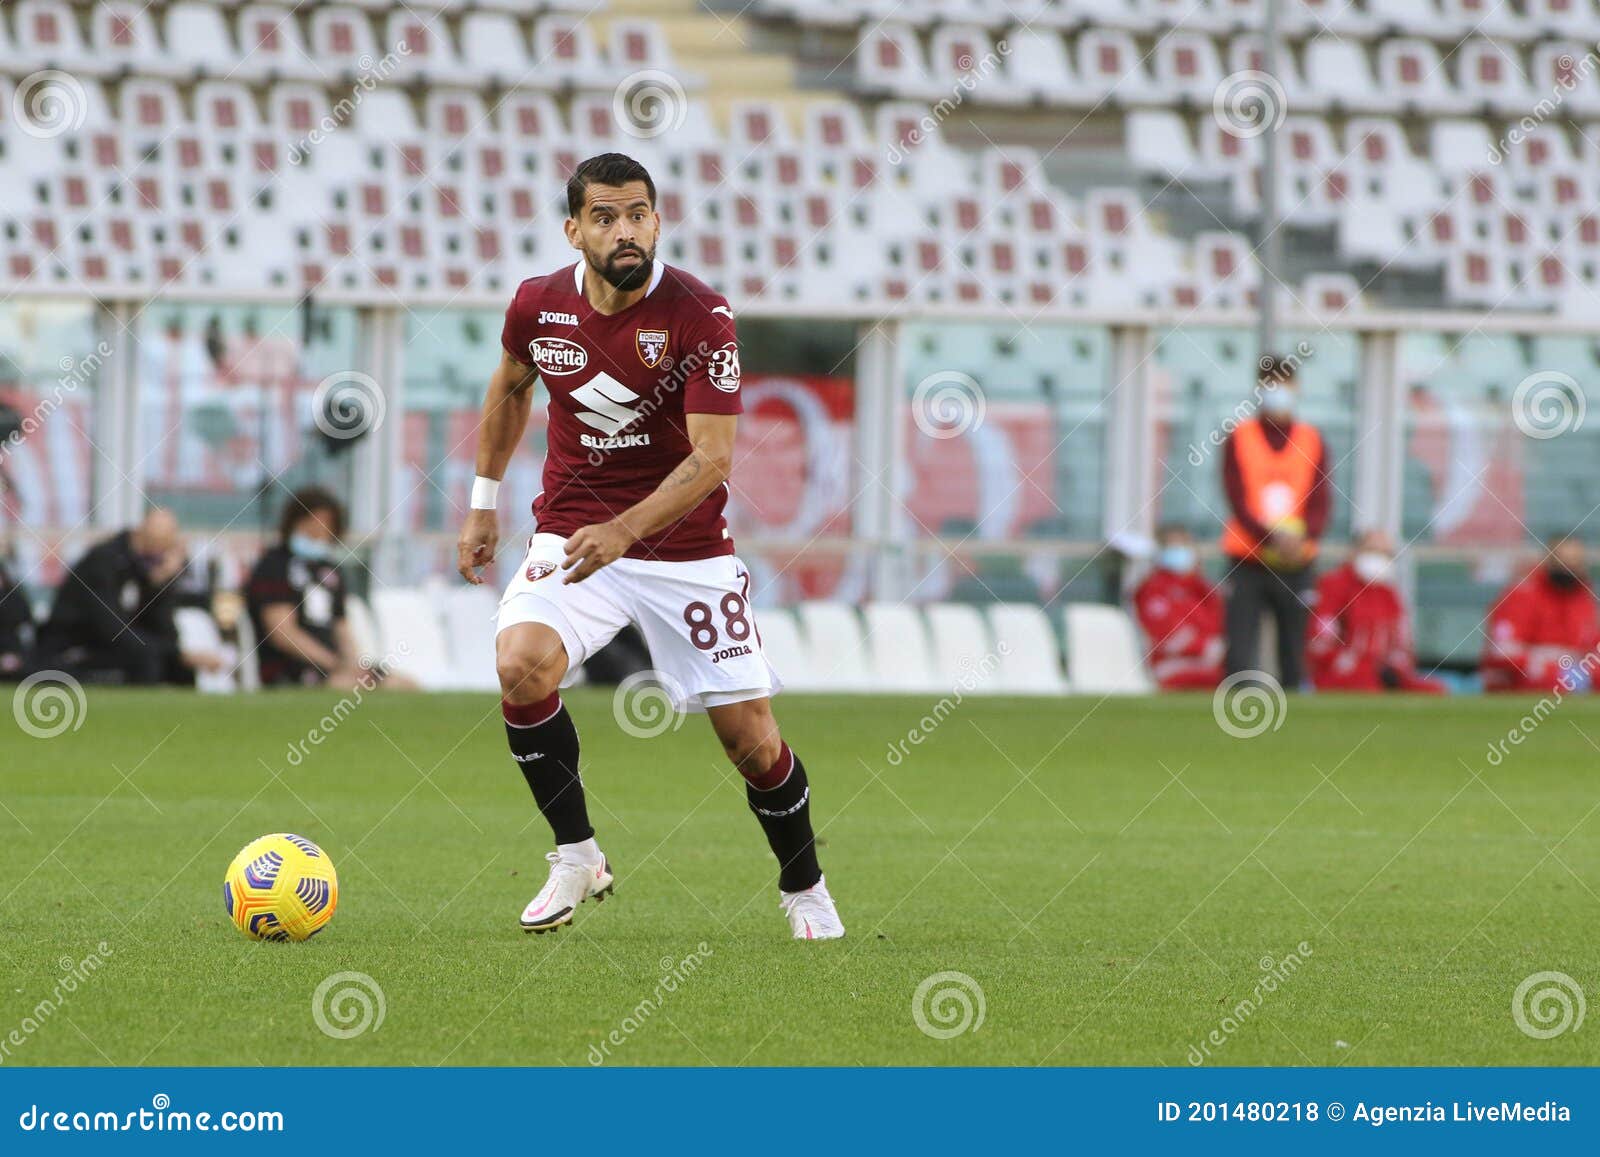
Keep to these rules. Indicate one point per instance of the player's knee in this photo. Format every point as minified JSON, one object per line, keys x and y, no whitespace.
{"x":529,"y":672}
{"x":752,"y":750}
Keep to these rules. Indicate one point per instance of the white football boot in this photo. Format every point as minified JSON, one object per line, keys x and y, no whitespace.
{"x":811,"y":913}
{"x":571,"y":882}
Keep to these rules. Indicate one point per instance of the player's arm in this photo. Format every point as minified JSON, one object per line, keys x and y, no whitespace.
{"x":285,"y":633}
{"x":500,"y":428}
{"x":691,"y":481}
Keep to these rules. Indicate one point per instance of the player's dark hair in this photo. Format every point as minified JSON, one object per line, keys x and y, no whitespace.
{"x":304,"y":503}
{"x":1275,"y":371}
{"x":605,"y":169}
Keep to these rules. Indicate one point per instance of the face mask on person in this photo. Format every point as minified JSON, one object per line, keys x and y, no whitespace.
{"x":1179,"y":559}
{"x":1278,"y":401}
{"x":1374,"y":566}
{"x":307,"y":547}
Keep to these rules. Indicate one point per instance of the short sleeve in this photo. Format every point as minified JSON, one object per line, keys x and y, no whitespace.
{"x":712,"y":384}
{"x":518,"y":330}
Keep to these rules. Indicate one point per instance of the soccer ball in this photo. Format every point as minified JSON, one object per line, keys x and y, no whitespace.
{"x":281,"y":887}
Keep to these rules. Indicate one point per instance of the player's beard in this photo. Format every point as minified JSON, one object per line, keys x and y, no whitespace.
{"x":626,"y":277}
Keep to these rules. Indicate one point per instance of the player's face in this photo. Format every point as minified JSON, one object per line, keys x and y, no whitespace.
{"x":617,"y":232}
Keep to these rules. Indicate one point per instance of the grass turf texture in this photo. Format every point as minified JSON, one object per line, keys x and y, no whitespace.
{"x":1111,"y":874}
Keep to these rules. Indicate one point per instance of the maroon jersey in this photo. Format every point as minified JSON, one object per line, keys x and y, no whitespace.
{"x":619,"y":388}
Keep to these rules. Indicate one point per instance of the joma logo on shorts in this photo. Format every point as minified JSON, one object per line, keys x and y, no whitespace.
{"x":729,"y":653}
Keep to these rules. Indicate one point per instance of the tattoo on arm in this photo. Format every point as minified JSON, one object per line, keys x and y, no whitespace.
{"x":688,"y":470}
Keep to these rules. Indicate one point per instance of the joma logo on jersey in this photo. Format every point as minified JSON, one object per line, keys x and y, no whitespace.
{"x":556,"y":317}
{"x":556,"y":356}
{"x":652,"y":344}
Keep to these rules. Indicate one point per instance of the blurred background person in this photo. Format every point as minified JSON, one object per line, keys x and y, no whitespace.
{"x":16,"y":627}
{"x":1543,"y":630}
{"x":112,"y":619}
{"x":1181,"y":615}
{"x":1275,"y":476}
{"x":1359,"y":637}
{"x":296,"y":600}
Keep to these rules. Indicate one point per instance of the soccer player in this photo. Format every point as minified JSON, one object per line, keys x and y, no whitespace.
{"x":641,"y":365}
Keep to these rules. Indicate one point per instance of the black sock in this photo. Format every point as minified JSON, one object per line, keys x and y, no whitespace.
{"x":784,"y":812}
{"x":545,"y":745}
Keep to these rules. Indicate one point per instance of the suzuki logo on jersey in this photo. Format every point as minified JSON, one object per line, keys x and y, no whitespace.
{"x":556,"y":317}
{"x":608,"y":408}
{"x":652,"y":344}
{"x":556,"y":356}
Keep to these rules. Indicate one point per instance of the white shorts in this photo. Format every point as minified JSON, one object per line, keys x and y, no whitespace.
{"x":695,"y":616}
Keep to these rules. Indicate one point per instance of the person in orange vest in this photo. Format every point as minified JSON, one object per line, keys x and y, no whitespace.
{"x":1544,"y":631}
{"x":1275,"y":476}
{"x":1360,"y":635}
{"x":1181,"y":616}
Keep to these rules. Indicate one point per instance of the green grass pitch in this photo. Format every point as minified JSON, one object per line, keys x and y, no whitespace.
{"x":1115,"y":876}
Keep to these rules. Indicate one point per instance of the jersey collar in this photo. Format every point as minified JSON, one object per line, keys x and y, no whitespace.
{"x":656,"y":273}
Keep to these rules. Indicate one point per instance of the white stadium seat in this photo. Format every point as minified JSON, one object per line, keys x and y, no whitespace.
{"x":836,"y":647}
{"x":786,"y":650}
{"x":1029,"y":657}
{"x":411,"y":636}
{"x":961,"y":643}
{"x":897,"y":642}
{"x":1103,"y":653}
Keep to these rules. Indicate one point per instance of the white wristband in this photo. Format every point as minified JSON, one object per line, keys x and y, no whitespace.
{"x":485,"y":491}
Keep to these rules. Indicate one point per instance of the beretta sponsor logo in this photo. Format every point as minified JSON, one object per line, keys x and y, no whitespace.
{"x":556,"y":356}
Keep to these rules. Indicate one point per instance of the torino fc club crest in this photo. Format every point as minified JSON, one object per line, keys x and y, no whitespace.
{"x":652,"y":344}
{"x":539,"y":569}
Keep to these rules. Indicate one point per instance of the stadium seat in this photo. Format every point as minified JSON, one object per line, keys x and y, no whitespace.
{"x":411,"y":636}
{"x":1110,"y":66}
{"x":496,"y":48}
{"x":786,"y":650}
{"x":889,"y":62}
{"x":197,"y":39}
{"x":1337,"y":70}
{"x":469,"y":619}
{"x":363,"y":628}
{"x":961,"y":644}
{"x":897,"y":642}
{"x":270,"y":46}
{"x":198,"y":634}
{"x":835,"y":645}
{"x":1103,"y":655}
{"x":1029,"y":656}
{"x":46,"y":31}
{"x":1493,"y":75}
